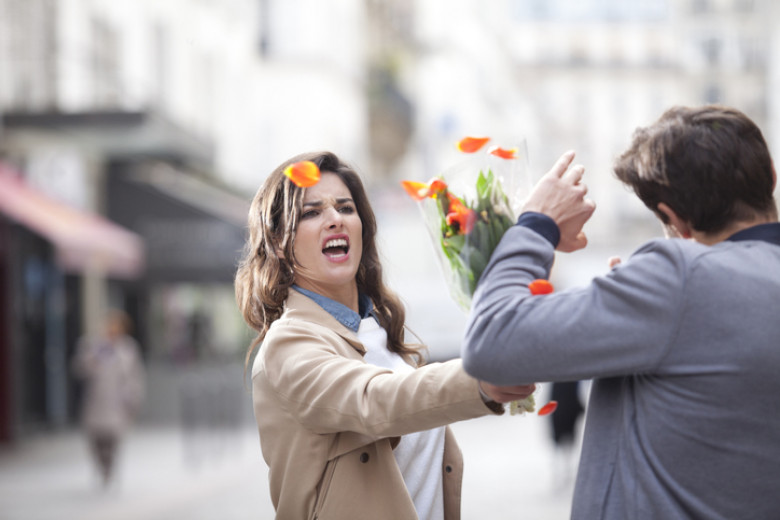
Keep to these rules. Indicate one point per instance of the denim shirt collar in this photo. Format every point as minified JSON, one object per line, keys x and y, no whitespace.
{"x":341,"y":312}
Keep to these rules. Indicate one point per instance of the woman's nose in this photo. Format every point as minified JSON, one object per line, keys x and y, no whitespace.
{"x":333,"y":217}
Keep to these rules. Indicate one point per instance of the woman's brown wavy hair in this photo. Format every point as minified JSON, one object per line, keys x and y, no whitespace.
{"x":263,"y":278}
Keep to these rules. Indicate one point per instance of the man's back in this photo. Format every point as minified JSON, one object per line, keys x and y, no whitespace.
{"x":683,"y":341}
{"x":704,"y":422}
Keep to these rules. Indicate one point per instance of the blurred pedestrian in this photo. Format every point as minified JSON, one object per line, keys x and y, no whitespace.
{"x":351,"y":426}
{"x":563,"y":428}
{"x":111,"y":368}
{"x":683,"y":339}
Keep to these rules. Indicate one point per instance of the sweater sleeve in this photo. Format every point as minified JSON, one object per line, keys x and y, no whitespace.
{"x":620,"y":323}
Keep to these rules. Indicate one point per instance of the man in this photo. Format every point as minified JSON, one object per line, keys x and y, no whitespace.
{"x":682,"y":340}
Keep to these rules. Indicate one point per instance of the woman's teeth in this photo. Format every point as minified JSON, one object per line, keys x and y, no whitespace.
{"x":336,"y":242}
{"x":336,"y":247}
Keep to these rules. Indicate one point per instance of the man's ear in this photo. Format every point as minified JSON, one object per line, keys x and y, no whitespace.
{"x":681,"y":227}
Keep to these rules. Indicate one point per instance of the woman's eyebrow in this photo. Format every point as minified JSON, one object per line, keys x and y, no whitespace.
{"x":317,"y":203}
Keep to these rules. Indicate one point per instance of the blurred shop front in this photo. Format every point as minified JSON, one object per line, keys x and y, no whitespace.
{"x":51,"y":255}
{"x":194,"y":233}
{"x":143,"y":178}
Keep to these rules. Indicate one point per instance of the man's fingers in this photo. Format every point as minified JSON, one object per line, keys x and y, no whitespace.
{"x":575,"y":174}
{"x":562,"y":164}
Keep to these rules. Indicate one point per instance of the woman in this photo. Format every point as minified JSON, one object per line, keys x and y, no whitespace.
{"x":113,"y":373}
{"x":348,"y":428}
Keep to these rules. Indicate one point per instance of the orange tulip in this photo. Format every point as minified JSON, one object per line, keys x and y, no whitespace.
{"x":304,"y":174}
{"x":548,"y":408}
{"x":504,"y":153}
{"x":464,"y":216}
{"x":472,"y":144}
{"x":438,"y":185}
{"x":540,"y":286}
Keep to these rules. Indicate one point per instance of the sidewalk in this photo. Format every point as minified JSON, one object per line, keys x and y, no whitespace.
{"x":161,"y":475}
{"x":164,"y":474}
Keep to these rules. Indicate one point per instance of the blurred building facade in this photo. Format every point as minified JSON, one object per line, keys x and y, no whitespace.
{"x":113,"y":113}
{"x":583,"y":74}
{"x":566,"y":74}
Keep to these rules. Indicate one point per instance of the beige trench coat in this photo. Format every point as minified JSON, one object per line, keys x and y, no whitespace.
{"x":114,"y":383}
{"x":328,"y":421}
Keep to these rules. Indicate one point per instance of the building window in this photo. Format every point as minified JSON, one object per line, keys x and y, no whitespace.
{"x":744,"y":6}
{"x":712,"y":94}
{"x":159,"y":61}
{"x":29,"y":34}
{"x":264,"y":27}
{"x":700,"y":6}
{"x":105,"y":67}
{"x":711,"y":48}
{"x":751,"y":53}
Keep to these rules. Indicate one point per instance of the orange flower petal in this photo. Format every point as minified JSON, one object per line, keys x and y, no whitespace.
{"x":472,"y":144}
{"x":303,"y":174}
{"x":540,"y":286}
{"x":420,"y":190}
{"x":548,"y":408}
{"x":437,"y":185}
{"x":416,"y":190}
{"x":464,"y":216}
{"x":504,"y":153}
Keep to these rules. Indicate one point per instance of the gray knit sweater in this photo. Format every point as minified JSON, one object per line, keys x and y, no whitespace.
{"x":683,"y":343}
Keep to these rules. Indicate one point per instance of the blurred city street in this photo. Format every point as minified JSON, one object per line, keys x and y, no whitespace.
{"x":164,"y":474}
{"x":133,"y":136}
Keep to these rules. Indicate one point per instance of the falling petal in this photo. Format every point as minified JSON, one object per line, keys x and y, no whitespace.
{"x":540,"y":286}
{"x":548,"y":408}
{"x":304,"y":174}
{"x":420,"y":190}
{"x":416,"y":190}
{"x":504,"y":153}
{"x":472,"y":144}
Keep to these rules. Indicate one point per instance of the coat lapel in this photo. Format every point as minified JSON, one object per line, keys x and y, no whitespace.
{"x":301,"y":307}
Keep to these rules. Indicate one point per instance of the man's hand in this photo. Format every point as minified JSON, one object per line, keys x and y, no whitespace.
{"x":560,"y":194}
{"x":506,"y":394}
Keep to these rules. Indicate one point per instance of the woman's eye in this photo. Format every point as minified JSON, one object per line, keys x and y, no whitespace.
{"x":347,"y":209}
{"x":309,"y":214}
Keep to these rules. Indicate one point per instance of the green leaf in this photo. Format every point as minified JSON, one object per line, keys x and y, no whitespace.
{"x":483,"y":186}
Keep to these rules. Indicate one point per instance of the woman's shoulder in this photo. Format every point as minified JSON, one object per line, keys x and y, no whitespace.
{"x":293,"y":330}
{"x":294,"y":341}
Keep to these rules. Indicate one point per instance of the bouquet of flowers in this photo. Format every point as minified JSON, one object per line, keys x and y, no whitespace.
{"x":467,"y":209}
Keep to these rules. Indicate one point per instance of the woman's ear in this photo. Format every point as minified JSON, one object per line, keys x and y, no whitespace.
{"x":679,"y":226}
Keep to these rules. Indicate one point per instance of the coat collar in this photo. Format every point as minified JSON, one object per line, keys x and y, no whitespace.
{"x":300,"y":307}
{"x":341,"y":312}
{"x":769,"y":232}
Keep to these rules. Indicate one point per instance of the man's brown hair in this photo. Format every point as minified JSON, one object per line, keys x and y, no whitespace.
{"x":710,"y":164}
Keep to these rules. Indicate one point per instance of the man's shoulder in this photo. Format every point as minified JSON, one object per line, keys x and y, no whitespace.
{"x":679,"y":248}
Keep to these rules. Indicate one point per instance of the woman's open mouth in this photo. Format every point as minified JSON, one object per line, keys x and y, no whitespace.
{"x":336,"y":248}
